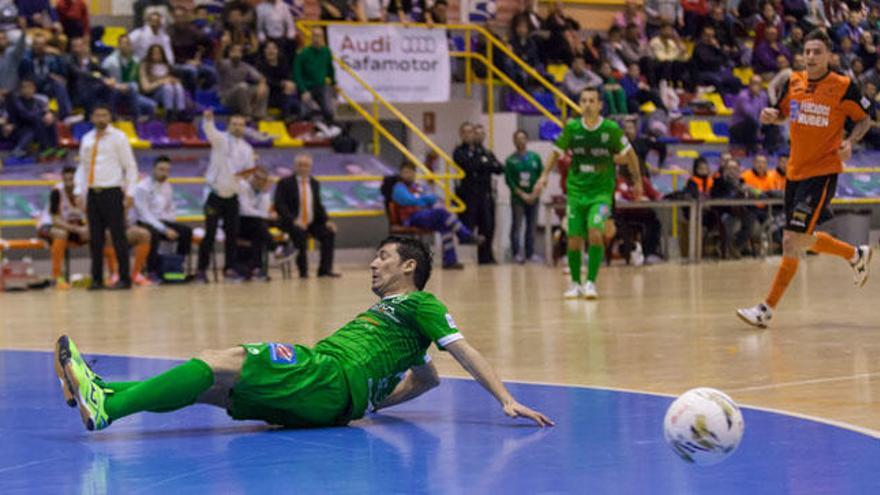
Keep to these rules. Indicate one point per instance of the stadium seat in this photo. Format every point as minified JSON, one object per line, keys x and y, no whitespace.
{"x":156,"y":133}
{"x":679,"y":130}
{"x":187,"y":135}
{"x":720,"y":106}
{"x":648,"y":108}
{"x":721,"y":129}
{"x":210,"y":99}
{"x":279,"y":132}
{"x":128,"y":128}
{"x":65,"y":137}
{"x":687,"y":153}
{"x":305,"y":131}
{"x":557,"y":72}
{"x":80,"y":129}
{"x":548,"y":131}
{"x":744,"y":74}
{"x":702,"y":129}
{"x":112,"y":34}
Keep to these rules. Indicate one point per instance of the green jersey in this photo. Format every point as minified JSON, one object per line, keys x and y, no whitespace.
{"x":592,"y":172}
{"x":379,"y":345}
{"x":522,"y":172}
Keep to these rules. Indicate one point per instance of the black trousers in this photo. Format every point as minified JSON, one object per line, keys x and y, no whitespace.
{"x":105,"y":210}
{"x":184,"y":242}
{"x":480,"y":215}
{"x":256,"y":231}
{"x":321,"y":233}
{"x":215,"y":209}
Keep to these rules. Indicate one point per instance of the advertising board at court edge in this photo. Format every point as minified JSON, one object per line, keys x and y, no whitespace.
{"x":403,"y":65}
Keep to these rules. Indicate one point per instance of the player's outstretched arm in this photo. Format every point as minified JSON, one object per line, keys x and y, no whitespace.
{"x":474,"y":363}
{"x":418,"y":380}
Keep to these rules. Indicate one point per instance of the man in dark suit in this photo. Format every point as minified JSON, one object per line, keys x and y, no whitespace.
{"x":301,"y":213}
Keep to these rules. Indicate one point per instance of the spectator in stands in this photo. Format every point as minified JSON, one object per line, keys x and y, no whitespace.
{"x":478,"y":194}
{"x":301,"y":213}
{"x":745,"y":125}
{"x":122,"y":66}
{"x":794,"y":10}
{"x":633,"y":14}
{"x":530,"y":14}
{"x":711,"y":66}
{"x":643,"y":222}
{"x":230,"y":155}
{"x":872,"y":138}
{"x":524,"y":46}
{"x":276,"y":23}
{"x":254,"y":206}
{"x":816,"y":16}
{"x":49,"y":73}
{"x":634,"y":49}
{"x":157,"y":81}
{"x":669,"y":55}
{"x":612,"y":50}
{"x":521,"y":172}
{"x":163,"y":7}
{"x":867,"y":49}
{"x":852,"y":29}
{"x":699,"y":184}
{"x":769,"y":18}
{"x":33,"y":121}
{"x":242,"y":88}
{"x":343,"y":10}
{"x":644,"y":143}
{"x":738,"y":221}
{"x":638,"y":91}
{"x":765,"y":60}
{"x":203,"y":22}
{"x":725,"y":32}
{"x":11,"y":56}
{"x":374,"y":10}
{"x":74,"y":17}
{"x":661,"y":12}
{"x":312,"y":70}
{"x":282,"y":90}
{"x":612,"y":92}
{"x":795,"y":40}
{"x":579,"y":78}
{"x":847,"y":53}
{"x":415,"y":208}
{"x":559,"y":47}
{"x":63,"y":223}
{"x":239,"y":28}
{"x":696,"y":12}
{"x":439,"y":12}
{"x":763,"y":183}
{"x":191,"y":48}
{"x":39,"y":14}
{"x":154,"y":207}
{"x":152,"y":33}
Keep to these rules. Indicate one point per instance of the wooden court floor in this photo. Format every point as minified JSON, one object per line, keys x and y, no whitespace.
{"x":660,"y":329}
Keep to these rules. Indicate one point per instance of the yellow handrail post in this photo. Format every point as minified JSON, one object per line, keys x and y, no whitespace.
{"x":467,"y":63}
{"x":376,"y":141}
{"x":490,"y":96}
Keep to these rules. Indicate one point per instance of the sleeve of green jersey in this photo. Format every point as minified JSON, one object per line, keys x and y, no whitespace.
{"x":434,"y":321}
{"x":619,"y":142}
{"x":564,"y":140}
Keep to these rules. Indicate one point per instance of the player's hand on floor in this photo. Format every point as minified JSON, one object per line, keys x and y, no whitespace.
{"x":517,"y":410}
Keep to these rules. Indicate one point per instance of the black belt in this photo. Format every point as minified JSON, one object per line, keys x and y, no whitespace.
{"x":103,"y":189}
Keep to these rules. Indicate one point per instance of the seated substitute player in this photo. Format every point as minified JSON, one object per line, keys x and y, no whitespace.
{"x":63,"y":222}
{"x":597,"y":146}
{"x":817,"y":102}
{"x":375,"y":361}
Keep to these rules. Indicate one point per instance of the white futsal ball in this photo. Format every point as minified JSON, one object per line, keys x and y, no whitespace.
{"x":703,"y":426}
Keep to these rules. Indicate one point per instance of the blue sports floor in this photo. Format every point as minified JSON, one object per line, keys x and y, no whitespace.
{"x":452,"y":440}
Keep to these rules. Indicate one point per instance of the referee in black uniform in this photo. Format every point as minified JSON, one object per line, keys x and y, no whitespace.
{"x":107,"y":174}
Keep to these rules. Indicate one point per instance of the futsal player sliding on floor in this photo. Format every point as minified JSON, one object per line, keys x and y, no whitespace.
{"x":375,"y":361}
{"x":597,"y":146}
{"x":817,"y":102}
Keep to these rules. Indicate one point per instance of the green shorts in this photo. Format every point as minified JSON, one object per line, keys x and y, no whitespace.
{"x":290,"y":385}
{"x":588,"y":213}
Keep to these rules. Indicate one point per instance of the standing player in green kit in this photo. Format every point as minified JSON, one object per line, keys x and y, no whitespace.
{"x":598,"y":145}
{"x":375,"y":361}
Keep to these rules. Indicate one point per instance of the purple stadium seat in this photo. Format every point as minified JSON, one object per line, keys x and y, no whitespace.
{"x":80,"y":129}
{"x":156,"y":133}
{"x":548,"y":131}
{"x":187,"y":135}
{"x":210,"y":99}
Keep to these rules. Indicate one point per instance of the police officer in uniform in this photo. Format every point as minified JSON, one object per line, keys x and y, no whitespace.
{"x":476,"y":188}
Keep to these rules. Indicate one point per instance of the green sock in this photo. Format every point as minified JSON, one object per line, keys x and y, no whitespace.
{"x":116,"y":386}
{"x":597,"y":256}
{"x":176,"y":388}
{"x":574,"y":265}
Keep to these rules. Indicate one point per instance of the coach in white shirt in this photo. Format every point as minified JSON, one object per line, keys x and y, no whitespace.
{"x":255,"y":204}
{"x":230,"y":155}
{"x":107,"y":175}
{"x":154,"y":205}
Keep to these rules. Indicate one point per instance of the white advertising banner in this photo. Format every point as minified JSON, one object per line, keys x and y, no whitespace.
{"x":404,"y":65}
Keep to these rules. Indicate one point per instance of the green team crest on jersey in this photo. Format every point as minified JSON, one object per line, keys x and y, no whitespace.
{"x":593,"y":172}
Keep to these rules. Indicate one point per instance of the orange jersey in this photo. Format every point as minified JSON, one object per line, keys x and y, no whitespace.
{"x":771,"y":181}
{"x":817,"y":112}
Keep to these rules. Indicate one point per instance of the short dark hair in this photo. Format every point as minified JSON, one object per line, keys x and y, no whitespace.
{"x":409,"y":248}
{"x":68,"y":169}
{"x":161,"y":158}
{"x":697,"y":161}
{"x":407,"y":164}
{"x":521,"y":131}
{"x":441,"y":2}
{"x":591,"y":89}
{"x":819,"y":35}
{"x":238,"y":116}
{"x":102,"y":106}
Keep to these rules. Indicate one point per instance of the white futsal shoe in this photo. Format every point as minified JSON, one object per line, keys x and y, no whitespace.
{"x":758,"y":315}
{"x":589,"y":291}
{"x":575,"y":291}
{"x":862,"y":266}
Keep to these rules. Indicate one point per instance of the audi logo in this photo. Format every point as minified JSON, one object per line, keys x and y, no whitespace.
{"x":418,"y":44}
